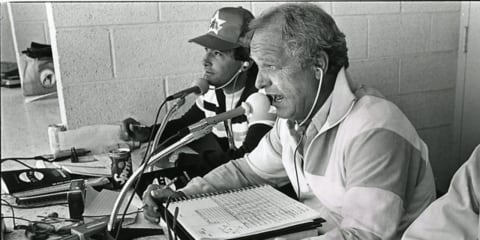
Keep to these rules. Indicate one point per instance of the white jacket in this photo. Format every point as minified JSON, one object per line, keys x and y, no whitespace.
{"x":456,"y":214}
{"x":365,"y":168}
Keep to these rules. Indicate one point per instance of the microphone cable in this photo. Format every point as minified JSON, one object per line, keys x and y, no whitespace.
{"x":150,"y":138}
{"x":317,"y":95}
{"x":228,"y":123}
{"x":295,"y":163}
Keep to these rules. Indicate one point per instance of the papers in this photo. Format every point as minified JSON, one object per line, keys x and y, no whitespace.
{"x":93,"y":137}
{"x":100,"y":204}
{"x":240,"y":213}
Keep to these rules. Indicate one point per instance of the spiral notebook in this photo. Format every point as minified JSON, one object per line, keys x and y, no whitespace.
{"x":260,"y":211}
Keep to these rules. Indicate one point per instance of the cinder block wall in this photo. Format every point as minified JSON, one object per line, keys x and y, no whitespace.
{"x":30,"y":24}
{"x":7,"y":51}
{"x":121,"y":59}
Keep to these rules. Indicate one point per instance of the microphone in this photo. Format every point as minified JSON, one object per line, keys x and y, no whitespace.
{"x":255,"y":107}
{"x":261,"y":113}
{"x":200,"y":86}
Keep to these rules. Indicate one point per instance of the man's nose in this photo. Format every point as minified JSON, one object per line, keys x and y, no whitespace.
{"x":262,"y":81}
{"x":206,"y":60}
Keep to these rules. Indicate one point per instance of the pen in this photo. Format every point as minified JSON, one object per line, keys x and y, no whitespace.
{"x":170,"y":183}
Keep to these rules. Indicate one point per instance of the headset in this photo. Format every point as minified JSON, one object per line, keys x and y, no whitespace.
{"x":243,"y":68}
{"x":319,"y":76}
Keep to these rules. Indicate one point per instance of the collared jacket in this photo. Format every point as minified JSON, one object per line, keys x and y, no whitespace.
{"x":364,"y":167}
{"x":456,"y":214}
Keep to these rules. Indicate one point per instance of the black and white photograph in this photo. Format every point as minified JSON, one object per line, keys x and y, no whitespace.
{"x":246,"y":120}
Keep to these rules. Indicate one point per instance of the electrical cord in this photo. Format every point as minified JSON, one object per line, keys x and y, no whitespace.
{"x":167,"y":204}
{"x":234,"y":77}
{"x":175,"y":217}
{"x":144,"y":159}
{"x":40,"y":229}
{"x":317,"y":95}
{"x":295,"y":163}
{"x":34,"y":206}
{"x":11,"y":208}
{"x":228,"y":122}
{"x":17,"y":160}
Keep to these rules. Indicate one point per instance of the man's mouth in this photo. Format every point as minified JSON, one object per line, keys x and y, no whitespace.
{"x":274,"y":98}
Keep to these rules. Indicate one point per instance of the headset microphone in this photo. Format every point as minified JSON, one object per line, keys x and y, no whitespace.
{"x":245,"y":66}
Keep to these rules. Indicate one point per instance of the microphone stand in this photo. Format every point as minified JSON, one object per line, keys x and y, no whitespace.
{"x":174,"y":108}
{"x":153,"y":159}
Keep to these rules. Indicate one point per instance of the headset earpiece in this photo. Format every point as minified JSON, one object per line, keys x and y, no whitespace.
{"x":245,"y":66}
{"x":318,"y":73}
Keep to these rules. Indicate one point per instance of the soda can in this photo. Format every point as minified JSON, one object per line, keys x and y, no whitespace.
{"x":53,"y":130}
{"x":121,"y":165}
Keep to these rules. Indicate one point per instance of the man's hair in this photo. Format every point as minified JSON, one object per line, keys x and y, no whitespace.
{"x":311,"y":29}
{"x":243,"y":53}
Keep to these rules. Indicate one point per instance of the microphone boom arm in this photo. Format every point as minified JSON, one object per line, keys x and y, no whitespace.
{"x":151,"y":160}
{"x":167,"y":117}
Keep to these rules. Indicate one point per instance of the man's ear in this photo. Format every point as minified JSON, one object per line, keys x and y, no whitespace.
{"x":322,"y":61}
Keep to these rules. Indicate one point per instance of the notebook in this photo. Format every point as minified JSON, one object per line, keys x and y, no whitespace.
{"x":260,"y":211}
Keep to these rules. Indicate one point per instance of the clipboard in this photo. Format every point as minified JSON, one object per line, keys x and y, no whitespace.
{"x":184,"y":229}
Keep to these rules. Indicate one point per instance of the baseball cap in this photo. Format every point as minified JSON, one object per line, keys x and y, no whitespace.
{"x":226,"y":29}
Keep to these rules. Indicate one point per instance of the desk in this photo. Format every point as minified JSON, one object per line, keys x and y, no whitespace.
{"x":62,"y":210}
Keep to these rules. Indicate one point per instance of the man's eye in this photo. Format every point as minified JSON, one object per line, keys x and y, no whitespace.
{"x":217,"y":53}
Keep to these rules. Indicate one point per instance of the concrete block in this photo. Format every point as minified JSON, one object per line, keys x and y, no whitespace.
{"x":28,"y":11}
{"x":355,"y":8}
{"x":106,"y":13}
{"x":381,"y":74}
{"x":445,"y":31}
{"x":27,"y":32}
{"x":435,"y":6}
{"x":159,"y":49}
{"x":439,"y":142}
{"x":84,"y":55}
{"x":326,"y":6}
{"x":427,"y":109}
{"x":7,"y":49}
{"x":112,"y":101}
{"x":188,"y":11}
{"x":428,"y":72}
{"x":177,"y":83}
{"x":259,"y":7}
{"x":355,"y":30}
{"x":391,"y":35}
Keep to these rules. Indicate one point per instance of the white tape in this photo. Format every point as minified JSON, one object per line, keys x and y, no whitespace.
{"x":47,"y":78}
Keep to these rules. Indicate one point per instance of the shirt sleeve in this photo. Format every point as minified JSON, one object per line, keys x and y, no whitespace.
{"x":193,"y":115}
{"x":456,"y":214}
{"x":382,"y":169}
{"x":254,"y":134}
{"x":262,"y":165}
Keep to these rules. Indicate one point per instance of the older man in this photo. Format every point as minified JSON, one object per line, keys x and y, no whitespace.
{"x":348,"y":152}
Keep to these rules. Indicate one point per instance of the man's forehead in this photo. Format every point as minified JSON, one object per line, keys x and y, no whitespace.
{"x":265,"y":40}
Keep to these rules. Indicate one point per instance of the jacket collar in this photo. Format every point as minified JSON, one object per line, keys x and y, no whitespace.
{"x":338,"y":104}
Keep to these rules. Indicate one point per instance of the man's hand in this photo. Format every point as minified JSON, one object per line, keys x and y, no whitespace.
{"x":133,"y":130}
{"x":153,"y":197}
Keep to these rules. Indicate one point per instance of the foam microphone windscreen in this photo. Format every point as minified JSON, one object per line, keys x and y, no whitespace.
{"x":202,"y":84}
{"x":260,"y":109}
